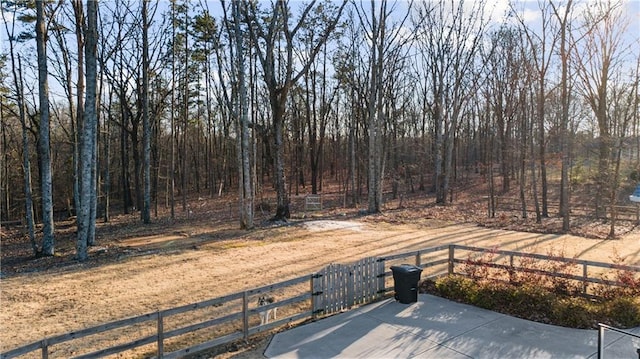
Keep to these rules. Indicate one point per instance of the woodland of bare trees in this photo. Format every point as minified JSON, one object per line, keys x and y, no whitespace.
{"x":125,"y":105}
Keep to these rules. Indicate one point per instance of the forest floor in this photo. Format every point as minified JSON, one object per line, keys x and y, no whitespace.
{"x":201,"y":254}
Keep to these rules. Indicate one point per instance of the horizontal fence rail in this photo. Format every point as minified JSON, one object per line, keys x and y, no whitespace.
{"x":628,"y":212}
{"x":585,"y":265}
{"x":309,"y":294}
{"x":160,"y":318}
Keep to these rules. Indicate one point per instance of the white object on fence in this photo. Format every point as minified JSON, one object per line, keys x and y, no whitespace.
{"x":313,"y":202}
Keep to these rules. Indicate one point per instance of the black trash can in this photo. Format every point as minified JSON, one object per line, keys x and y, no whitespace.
{"x":406,"y":278}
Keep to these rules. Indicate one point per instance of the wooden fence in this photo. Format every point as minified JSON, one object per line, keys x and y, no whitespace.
{"x":341,"y":286}
{"x":241,"y":314}
{"x":335,"y":288}
{"x":621,"y":212}
{"x":588,"y":272}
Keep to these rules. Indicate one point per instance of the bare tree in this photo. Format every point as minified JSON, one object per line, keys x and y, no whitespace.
{"x":318,"y":102}
{"x":563,"y":20}
{"x":374,"y":105}
{"x":122,"y":53}
{"x":387,"y":43}
{"x":450,"y":38}
{"x":48,"y":241}
{"x":622,"y":108}
{"x":246,"y":190}
{"x":542,"y":44}
{"x":508,"y":79}
{"x":598,"y":55}
{"x":172,"y":168}
{"x":275,"y":55}
{"x":26,"y":162}
{"x":86,"y":215}
{"x":351,"y":67}
{"x":505,"y":69}
{"x":77,"y":119}
{"x":182,"y":150}
{"x":238,"y":105}
{"x":62,"y":70}
{"x":145,"y":211}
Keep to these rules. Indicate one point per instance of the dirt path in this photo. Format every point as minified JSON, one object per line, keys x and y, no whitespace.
{"x":37,"y":305}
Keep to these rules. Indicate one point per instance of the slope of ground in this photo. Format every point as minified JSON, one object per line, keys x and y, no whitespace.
{"x":138,"y":268}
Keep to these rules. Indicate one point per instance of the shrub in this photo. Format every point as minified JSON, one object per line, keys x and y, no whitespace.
{"x":533,"y":302}
{"x":630,"y":282}
{"x":492,"y":295}
{"x":456,"y":288}
{"x":524,"y":288}
{"x":476,"y":267}
{"x":578,"y":175}
{"x":574,"y":313}
{"x":622,"y":312}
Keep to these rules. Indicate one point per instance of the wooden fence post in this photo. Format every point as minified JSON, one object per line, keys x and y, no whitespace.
{"x":451,"y":258}
{"x":381,"y":278}
{"x":45,"y":348}
{"x":512,"y":271}
{"x":351,"y":283}
{"x":245,"y":316}
{"x":160,"y":335}
{"x":418,"y":260}
{"x":313,"y":297}
{"x":585,"y":278}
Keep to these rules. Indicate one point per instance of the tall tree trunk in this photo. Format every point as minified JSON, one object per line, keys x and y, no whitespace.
{"x":106,"y":177}
{"x":352,"y":164}
{"x":374,"y":111}
{"x":438,"y":146}
{"x":185,"y":119}
{"x":245,"y":177}
{"x":542,"y":151}
{"x":604,"y":174}
{"x":79,"y":23}
{"x":44,"y":142}
{"x":534,"y":181}
{"x":524,"y":124}
{"x":450,"y":141}
{"x":614,"y":191}
{"x":137,"y":162}
{"x":277,"y":109}
{"x":145,"y":211}
{"x":88,"y":138}
{"x":489,"y":145}
{"x":5,"y":200}
{"x":93,"y":205}
{"x":26,"y":163}
{"x":125,"y":115}
{"x":124,"y":161}
{"x":172,"y":172}
{"x":564,"y":123}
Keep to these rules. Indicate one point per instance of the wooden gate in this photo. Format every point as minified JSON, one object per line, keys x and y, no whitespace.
{"x":340,"y":286}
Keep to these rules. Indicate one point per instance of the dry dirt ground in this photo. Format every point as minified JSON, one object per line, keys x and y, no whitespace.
{"x":137,"y":269}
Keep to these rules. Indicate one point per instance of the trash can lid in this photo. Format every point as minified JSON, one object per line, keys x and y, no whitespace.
{"x":406,"y":268}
